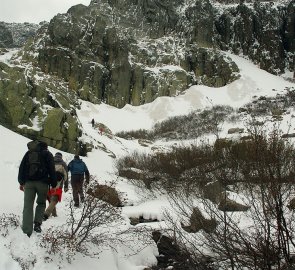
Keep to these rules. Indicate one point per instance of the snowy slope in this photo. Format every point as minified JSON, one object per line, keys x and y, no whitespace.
{"x":253,"y":82}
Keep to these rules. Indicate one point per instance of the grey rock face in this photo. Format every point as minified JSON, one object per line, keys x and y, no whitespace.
{"x":262,"y":31}
{"x":16,"y":34}
{"x":6,"y":39}
{"x":131,"y":52}
{"x":36,"y":108}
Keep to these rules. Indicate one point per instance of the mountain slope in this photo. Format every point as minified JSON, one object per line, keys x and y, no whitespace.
{"x":17,"y":249}
{"x":133,"y":52}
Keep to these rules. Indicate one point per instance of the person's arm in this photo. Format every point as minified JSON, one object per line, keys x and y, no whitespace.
{"x":21,"y":172}
{"x":66,"y":180}
{"x":66,"y":170}
{"x":87,"y":175}
{"x":51,"y":169}
{"x":69,"y":166}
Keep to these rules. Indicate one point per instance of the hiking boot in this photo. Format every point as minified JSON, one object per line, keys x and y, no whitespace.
{"x":76,"y":204}
{"x":37,"y":227}
{"x":45,"y":217}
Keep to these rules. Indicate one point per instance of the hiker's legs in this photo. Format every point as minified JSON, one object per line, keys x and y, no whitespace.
{"x":42,"y":189}
{"x":54,"y":212}
{"x":51,"y":207}
{"x":29,"y":198}
{"x":80,"y":190}
{"x":75,"y":189}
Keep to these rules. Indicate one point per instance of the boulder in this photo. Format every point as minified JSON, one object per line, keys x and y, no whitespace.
{"x":212,"y":191}
{"x":228,"y":205}
{"x":106,"y":193}
{"x":61,"y":130}
{"x":235,"y":130}
{"x":199,"y":222}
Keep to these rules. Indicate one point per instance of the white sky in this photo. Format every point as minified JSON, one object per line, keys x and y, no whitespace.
{"x":34,"y":11}
{"x":16,"y":245}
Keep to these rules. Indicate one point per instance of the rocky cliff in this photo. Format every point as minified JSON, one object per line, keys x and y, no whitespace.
{"x":133,"y":51}
{"x":16,"y":34}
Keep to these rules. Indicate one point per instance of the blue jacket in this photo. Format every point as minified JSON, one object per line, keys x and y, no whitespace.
{"x":77,"y":166}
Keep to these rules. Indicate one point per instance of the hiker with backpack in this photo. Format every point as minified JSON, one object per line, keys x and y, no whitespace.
{"x":78,"y":169}
{"x":36,"y":173}
{"x":54,"y":195}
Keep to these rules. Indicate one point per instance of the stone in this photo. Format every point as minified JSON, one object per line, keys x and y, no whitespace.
{"x":235,"y":130}
{"x":199,"y":222}
{"x":212,"y":191}
{"x":228,"y":205}
{"x":106,"y":193}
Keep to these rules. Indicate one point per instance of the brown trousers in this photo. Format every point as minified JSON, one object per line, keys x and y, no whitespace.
{"x":51,"y":209}
{"x":77,"y":187}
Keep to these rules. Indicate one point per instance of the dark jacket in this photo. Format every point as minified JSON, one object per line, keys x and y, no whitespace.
{"x":78,"y":167}
{"x":47,"y":177}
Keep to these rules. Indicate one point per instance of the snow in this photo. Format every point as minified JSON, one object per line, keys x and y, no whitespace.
{"x":101,"y":164}
{"x":5,"y":57}
{"x":253,"y":82}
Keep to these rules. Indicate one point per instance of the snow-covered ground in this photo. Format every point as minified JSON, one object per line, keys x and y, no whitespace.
{"x":16,"y":245}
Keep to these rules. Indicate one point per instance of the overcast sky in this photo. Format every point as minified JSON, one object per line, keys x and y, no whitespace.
{"x":34,"y":11}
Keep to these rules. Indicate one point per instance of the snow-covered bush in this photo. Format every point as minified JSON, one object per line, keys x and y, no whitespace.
{"x":8,"y":221}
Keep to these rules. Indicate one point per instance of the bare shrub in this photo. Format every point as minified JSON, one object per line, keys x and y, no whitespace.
{"x":89,"y":229}
{"x":85,"y":227}
{"x":263,"y":170}
{"x":185,"y":165}
{"x":8,"y":221}
{"x":188,"y":126}
{"x":212,"y":119}
{"x":135,"y":134}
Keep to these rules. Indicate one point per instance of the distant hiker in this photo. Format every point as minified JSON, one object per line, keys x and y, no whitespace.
{"x":92,"y":122}
{"x":36,"y":173}
{"x":54,"y":195}
{"x":78,"y":168}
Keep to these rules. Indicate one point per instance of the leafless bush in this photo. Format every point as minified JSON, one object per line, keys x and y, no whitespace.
{"x":188,"y":126}
{"x":185,"y":165}
{"x":92,"y":227}
{"x":264,"y":167}
{"x":212,"y":119}
{"x":135,"y":134}
{"x":85,"y":227}
{"x":8,"y":221}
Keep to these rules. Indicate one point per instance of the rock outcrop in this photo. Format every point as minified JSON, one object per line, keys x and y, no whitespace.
{"x":264,"y":31}
{"x":131,"y":52}
{"x":37,"y":108}
{"x":14,"y":35}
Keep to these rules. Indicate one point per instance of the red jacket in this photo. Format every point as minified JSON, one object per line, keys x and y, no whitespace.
{"x":55,"y":192}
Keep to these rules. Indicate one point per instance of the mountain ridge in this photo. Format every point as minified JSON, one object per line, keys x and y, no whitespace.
{"x":132,"y":52}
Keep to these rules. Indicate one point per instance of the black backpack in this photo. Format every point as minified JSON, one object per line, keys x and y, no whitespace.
{"x":36,"y":166}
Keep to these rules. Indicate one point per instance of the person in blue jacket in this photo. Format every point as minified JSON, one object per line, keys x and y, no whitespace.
{"x":78,"y":170}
